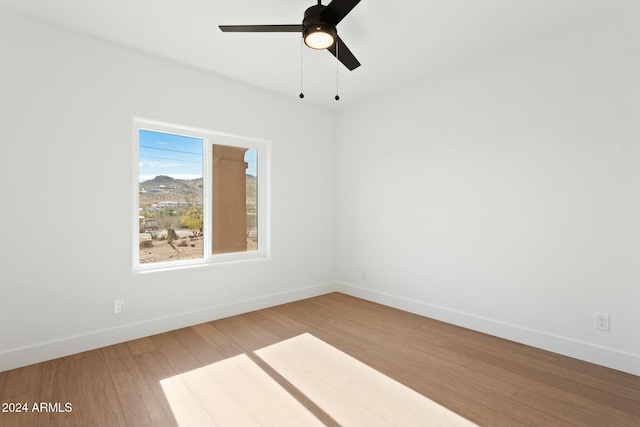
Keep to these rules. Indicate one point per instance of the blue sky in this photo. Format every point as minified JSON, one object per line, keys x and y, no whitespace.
{"x":179,"y":157}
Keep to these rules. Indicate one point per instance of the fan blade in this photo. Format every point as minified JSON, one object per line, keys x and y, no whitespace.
{"x":295,"y":28}
{"x":344,"y":54}
{"x":337,"y":10}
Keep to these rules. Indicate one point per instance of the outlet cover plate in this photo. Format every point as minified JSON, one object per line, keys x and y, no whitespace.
{"x":602,"y":322}
{"x":118,"y":306}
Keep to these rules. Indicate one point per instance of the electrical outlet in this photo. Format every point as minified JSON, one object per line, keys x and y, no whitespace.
{"x":602,"y":322}
{"x":118,"y":306}
{"x":363,"y":276}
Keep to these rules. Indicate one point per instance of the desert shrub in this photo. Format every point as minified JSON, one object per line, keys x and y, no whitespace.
{"x":191,"y":217}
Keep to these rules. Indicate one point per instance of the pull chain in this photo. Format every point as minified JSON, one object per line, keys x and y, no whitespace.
{"x":301,"y":68}
{"x":337,"y":68}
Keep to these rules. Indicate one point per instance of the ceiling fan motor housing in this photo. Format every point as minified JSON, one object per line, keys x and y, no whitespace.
{"x":314,"y":22}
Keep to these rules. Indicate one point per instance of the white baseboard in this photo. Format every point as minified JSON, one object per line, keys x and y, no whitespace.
{"x":15,"y":358}
{"x":50,"y":350}
{"x":621,"y":361}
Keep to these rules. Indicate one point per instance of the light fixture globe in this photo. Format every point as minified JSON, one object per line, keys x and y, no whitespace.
{"x":319,"y":36}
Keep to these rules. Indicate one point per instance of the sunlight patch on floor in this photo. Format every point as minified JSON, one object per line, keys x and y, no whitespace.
{"x":233,"y":392}
{"x":237,"y":392}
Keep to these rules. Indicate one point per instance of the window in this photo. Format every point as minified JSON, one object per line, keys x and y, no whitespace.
{"x":199,"y":197}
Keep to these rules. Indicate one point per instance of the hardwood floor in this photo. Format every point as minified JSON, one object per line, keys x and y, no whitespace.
{"x":489,"y":381}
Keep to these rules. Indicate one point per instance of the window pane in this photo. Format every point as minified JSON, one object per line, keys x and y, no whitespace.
{"x":170,"y":197}
{"x":234,"y":199}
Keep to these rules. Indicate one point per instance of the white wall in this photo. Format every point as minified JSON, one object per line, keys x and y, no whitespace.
{"x":502,"y":195}
{"x":66,"y":156}
{"x":505,"y":195}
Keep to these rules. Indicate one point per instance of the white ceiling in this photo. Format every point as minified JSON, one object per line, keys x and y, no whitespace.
{"x":396,"y":41}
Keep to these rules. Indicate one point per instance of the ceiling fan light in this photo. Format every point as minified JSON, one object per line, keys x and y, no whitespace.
{"x":319,"y":37}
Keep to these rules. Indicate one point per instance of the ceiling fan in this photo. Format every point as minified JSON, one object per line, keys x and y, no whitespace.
{"x":318,"y":29}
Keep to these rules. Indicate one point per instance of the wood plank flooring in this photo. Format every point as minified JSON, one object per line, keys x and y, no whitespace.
{"x":487,"y":380}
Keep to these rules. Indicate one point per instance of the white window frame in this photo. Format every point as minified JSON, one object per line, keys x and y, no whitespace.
{"x":209,"y":138}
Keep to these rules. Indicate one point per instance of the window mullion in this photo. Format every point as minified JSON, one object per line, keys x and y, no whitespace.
{"x":206,"y":203}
